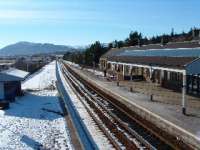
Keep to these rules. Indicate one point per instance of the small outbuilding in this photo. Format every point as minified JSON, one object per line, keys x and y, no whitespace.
{"x":10,"y":83}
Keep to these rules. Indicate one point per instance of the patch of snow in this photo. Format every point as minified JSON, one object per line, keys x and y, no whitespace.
{"x":15,"y":72}
{"x":97,"y":73}
{"x":72,"y":64}
{"x":35,"y":120}
{"x":198,"y":135}
{"x":41,"y":79}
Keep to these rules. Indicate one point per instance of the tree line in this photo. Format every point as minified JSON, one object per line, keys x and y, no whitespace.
{"x":91,"y":55}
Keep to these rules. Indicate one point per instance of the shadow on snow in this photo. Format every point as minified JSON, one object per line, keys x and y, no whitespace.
{"x":33,"y":106}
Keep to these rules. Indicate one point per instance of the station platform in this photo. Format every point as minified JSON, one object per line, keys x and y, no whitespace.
{"x":168,"y":115}
{"x":160,"y":94}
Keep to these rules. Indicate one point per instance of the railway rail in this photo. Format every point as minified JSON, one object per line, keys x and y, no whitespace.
{"x":99,"y":114}
{"x":121,"y":127}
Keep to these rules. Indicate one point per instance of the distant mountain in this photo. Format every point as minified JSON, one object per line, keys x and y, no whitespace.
{"x":28,"y":48}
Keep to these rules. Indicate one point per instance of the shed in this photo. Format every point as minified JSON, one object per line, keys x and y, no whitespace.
{"x":10,"y":83}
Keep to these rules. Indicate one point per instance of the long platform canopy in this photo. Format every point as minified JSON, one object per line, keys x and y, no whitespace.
{"x":174,"y":59}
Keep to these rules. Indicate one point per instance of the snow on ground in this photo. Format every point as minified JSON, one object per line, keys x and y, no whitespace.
{"x":35,"y":120}
{"x":96,"y":72}
{"x":73,"y":64}
{"x":41,"y":79}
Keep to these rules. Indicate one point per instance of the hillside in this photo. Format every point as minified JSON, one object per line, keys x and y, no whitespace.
{"x":28,"y":48}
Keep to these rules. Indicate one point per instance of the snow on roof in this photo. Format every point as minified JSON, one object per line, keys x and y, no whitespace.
{"x":15,"y":72}
{"x":2,"y":64}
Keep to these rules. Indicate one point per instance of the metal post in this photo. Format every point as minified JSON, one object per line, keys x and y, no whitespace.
{"x":131,"y":73}
{"x":161,"y":75}
{"x":151,"y":72}
{"x":123,"y":71}
{"x":151,"y":97}
{"x":184,"y":94}
{"x":117,"y":74}
{"x":168,"y":75}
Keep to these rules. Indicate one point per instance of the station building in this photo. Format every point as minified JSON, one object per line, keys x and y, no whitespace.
{"x":174,"y":65}
{"x":10,"y":83}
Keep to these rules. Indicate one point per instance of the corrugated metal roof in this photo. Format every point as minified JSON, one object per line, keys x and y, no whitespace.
{"x":189,"y":52}
{"x":173,"y":46}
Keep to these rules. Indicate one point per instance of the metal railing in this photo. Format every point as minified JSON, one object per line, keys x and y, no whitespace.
{"x":83,"y":133}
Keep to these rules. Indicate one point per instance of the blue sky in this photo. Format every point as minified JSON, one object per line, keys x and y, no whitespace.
{"x":81,"y":22}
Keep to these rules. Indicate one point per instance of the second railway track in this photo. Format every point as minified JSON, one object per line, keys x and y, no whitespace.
{"x":122,"y":129}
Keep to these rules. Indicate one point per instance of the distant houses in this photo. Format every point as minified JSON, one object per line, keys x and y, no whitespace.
{"x":5,"y":64}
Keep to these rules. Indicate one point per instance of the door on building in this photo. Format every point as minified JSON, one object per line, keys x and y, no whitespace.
{"x":10,"y":90}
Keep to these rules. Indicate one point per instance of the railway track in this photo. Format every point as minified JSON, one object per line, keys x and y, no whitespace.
{"x":93,"y":106}
{"x":80,"y":136}
{"x":121,"y":129}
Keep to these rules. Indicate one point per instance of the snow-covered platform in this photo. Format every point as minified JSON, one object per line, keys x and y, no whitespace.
{"x":165,"y":116}
{"x":35,"y":121}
